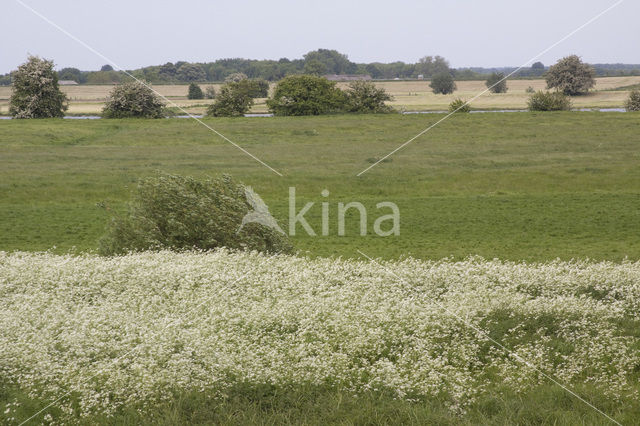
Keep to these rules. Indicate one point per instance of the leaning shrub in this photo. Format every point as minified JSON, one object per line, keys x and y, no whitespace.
{"x":633,"y":103}
{"x":365,"y":97}
{"x":549,"y":101}
{"x":306,"y":95}
{"x":234,"y":100}
{"x":181,"y":213}
{"x":133,"y":100}
{"x":195,"y":92}
{"x":459,"y":105}
{"x":35,"y":92}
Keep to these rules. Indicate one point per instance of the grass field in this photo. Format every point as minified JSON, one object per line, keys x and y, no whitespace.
{"x":408,"y":95}
{"x":517,"y":186}
{"x":514,"y":186}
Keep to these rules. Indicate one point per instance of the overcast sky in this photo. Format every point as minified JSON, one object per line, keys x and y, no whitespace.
{"x":487,"y":33}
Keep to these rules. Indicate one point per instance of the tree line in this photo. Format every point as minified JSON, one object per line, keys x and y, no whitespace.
{"x":317,"y":62}
{"x":36,"y":93}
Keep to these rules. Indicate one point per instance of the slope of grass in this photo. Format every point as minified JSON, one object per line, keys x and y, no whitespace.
{"x":515,"y":186}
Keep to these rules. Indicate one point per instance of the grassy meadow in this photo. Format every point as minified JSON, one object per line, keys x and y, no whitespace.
{"x":518,"y":186}
{"x":408,"y":95}
{"x":329,"y":341}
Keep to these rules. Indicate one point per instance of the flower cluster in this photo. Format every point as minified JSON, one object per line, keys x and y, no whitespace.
{"x":137,"y":328}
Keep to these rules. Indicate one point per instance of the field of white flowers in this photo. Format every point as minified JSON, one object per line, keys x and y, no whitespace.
{"x":135,"y":329}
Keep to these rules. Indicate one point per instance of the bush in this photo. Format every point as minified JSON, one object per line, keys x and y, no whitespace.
{"x":496,"y":83}
{"x":633,"y":103}
{"x":443,"y":83}
{"x":365,"y":97}
{"x":258,"y":88}
{"x":459,"y":105}
{"x":210,"y":92}
{"x":195,"y":92}
{"x":571,"y":76}
{"x":35,"y":92}
{"x":549,"y":101}
{"x":181,"y":213}
{"x":306,"y":95}
{"x":133,"y":99}
{"x":234,"y":100}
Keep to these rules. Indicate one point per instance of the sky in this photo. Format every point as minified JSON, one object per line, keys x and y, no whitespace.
{"x":489,"y":33}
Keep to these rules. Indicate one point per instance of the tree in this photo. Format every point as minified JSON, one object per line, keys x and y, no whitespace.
{"x":537,"y":66}
{"x":133,"y":99}
{"x":191,"y":72}
{"x":258,"y":88}
{"x":549,"y":101}
{"x":195,"y":92}
{"x":373,"y":70}
{"x":365,"y":97}
{"x":233,"y":100}
{"x":633,"y":102}
{"x":72,"y":74}
{"x":443,"y":83}
{"x":167,"y":71}
{"x":430,"y":66}
{"x":571,"y":76}
{"x":315,"y":67}
{"x":306,"y":95}
{"x":496,"y":83}
{"x":36,"y":93}
{"x":334,"y":62}
{"x":183,"y":213}
{"x":106,"y":67}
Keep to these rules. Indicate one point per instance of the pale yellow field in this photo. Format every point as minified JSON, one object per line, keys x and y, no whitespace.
{"x":408,"y":95}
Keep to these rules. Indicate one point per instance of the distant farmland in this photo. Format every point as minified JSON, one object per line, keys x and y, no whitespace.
{"x":408,"y":95}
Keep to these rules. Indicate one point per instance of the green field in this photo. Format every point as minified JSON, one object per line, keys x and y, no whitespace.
{"x":513,"y":186}
{"x":518,"y":186}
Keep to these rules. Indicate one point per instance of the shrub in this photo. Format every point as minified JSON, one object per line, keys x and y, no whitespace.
{"x":234,"y":100}
{"x":549,"y":101}
{"x":571,"y":76}
{"x":443,"y":83}
{"x":496,"y":83}
{"x":195,"y":92}
{"x":258,"y":88}
{"x":35,"y":92}
{"x":210,"y":92}
{"x":306,"y":95}
{"x":459,"y":105}
{"x":633,"y":102}
{"x":180,"y":213}
{"x":133,"y":99}
{"x":365,"y":97}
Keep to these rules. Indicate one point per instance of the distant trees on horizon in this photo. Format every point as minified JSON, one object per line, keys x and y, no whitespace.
{"x":317,"y":62}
